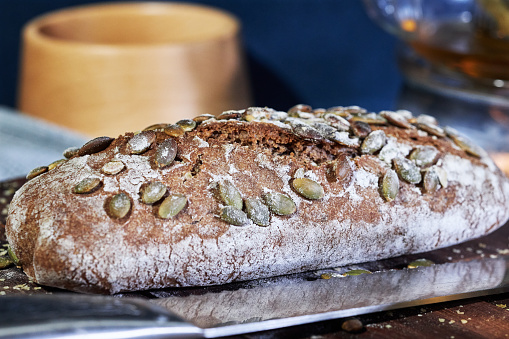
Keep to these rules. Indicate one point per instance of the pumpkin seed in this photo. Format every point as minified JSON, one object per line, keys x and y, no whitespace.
{"x":277,"y":116}
{"x":229,"y":194}
{"x":87,"y":185}
{"x":305,"y":131}
{"x":234,"y":216}
{"x":341,"y":170}
{"x":421,"y":263}
{"x":55,"y":164}
{"x":119,"y":206}
{"x":391,"y":151}
{"x":279,"y":204}
{"x":424,"y":156}
{"x":187,"y":124}
{"x":302,"y":115}
{"x":405,"y":114}
{"x":156,"y":127}
{"x":248,"y":117}
{"x":70,"y":152}
{"x":431,"y":129}
{"x":431,"y":182}
{"x":308,"y":188}
{"x":343,"y":138}
{"x":5,"y":262}
{"x":407,"y":170}
{"x":141,"y":142}
{"x":299,"y":173}
{"x":165,"y":153}
{"x":174,"y":130}
{"x":299,"y":108}
{"x":396,"y":119}
{"x":152,"y":192}
{"x":113,"y":167}
{"x":337,"y":122}
{"x":36,"y":172}
{"x":390,"y":185}
{"x":356,"y":272}
{"x":325,"y":130}
{"x":204,"y":117}
{"x":257,"y":212}
{"x":442,"y":176}
{"x":230,"y":115}
{"x":451,"y":132}
{"x":172,"y":205}
{"x":360,"y":128}
{"x":95,"y":146}
{"x":370,"y":118}
{"x":426,"y":119}
{"x":12,"y":255}
{"x":319,"y":112}
{"x":468,"y":146}
{"x":373,"y":142}
{"x":340,"y":111}
{"x":355,"y":109}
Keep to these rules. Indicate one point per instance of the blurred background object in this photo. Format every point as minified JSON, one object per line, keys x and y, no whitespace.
{"x":104,"y":69}
{"x":456,"y":46}
{"x":319,"y":52}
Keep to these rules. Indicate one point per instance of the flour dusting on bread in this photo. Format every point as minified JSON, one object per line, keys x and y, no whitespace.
{"x":199,"y":230}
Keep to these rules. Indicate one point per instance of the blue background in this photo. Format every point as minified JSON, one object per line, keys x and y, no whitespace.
{"x":320,"y":52}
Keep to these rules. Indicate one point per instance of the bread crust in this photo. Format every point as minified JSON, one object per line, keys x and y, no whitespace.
{"x":69,"y":240}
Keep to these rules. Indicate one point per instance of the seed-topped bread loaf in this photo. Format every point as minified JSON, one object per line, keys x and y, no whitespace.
{"x":250,"y":194}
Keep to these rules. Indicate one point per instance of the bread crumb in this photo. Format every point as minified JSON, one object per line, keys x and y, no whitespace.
{"x":501,"y":305}
{"x":452,"y":322}
{"x":456,"y":250}
{"x":463,"y":321}
{"x":482,"y":245}
{"x":459,"y":312}
{"x":388,"y":326}
{"x":441,"y":320}
{"x":2,"y":293}
{"x":504,"y":251}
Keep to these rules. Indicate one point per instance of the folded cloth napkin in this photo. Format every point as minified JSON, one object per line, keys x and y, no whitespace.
{"x":26,"y":143}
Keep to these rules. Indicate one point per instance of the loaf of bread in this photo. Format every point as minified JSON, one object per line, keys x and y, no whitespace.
{"x":250,"y":194}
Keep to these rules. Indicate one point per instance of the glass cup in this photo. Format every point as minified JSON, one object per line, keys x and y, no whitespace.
{"x":458,"y":47}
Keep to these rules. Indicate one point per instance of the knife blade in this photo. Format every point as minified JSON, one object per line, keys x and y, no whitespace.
{"x":248,"y":307}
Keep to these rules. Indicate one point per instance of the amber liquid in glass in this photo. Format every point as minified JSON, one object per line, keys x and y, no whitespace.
{"x":472,"y":52}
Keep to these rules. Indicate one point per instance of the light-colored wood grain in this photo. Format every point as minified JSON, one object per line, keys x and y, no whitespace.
{"x":110,"y":68}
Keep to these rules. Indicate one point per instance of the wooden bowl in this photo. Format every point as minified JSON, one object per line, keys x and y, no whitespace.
{"x":109,"y":68}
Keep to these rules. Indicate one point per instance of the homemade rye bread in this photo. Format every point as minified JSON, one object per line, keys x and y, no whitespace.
{"x":251,"y":194}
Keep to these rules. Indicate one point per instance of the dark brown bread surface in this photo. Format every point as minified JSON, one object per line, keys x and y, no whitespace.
{"x":71,"y":240}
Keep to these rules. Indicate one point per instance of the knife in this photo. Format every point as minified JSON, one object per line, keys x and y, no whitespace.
{"x":247,"y":307}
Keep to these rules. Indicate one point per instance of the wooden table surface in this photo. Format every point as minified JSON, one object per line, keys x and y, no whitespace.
{"x":482,"y":317}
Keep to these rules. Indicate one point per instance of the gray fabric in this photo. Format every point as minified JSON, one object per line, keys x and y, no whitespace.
{"x":26,"y":143}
